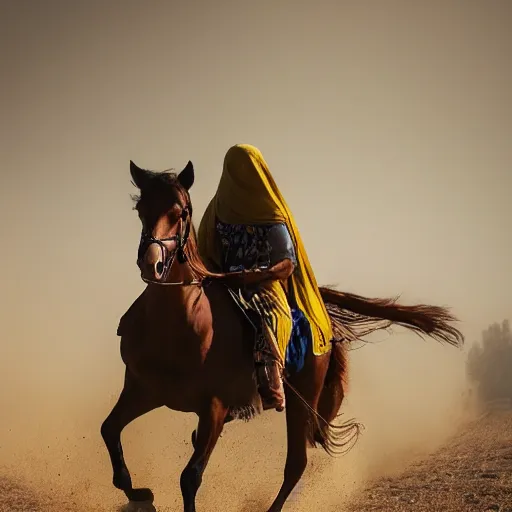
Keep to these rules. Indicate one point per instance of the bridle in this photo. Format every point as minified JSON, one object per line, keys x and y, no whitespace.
{"x":168,"y":257}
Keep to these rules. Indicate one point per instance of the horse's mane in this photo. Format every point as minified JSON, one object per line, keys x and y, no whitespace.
{"x":162,"y":183}
{"x":195,"y":261}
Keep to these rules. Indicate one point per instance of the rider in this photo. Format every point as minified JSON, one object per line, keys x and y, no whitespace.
{"x":248,"y":226}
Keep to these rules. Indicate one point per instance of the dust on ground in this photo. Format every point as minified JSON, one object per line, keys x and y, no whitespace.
{"x":472,"y":472}
{"x":52,"y":458}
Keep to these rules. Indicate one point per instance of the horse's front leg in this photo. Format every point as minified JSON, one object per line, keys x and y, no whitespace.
{"x":132,"y":403}
{"x":211,"y":422}
{"x":228,"y":419}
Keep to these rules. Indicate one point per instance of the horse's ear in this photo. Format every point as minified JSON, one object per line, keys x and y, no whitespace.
{"x":186,"y":176}
{"x":139,"y":175}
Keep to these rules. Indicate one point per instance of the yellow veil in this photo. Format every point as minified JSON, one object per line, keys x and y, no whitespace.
{"x":247,"y":194}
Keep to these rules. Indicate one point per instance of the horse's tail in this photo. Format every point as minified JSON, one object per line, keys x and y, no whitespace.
{"x":338,"y":438}
{"x":337,"y":372}
{"x":354,"y":316}
{"x":335,"y":438}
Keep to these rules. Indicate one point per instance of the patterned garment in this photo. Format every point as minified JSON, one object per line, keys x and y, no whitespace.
{"x":262,"y":246}
{"x":250,"y":247}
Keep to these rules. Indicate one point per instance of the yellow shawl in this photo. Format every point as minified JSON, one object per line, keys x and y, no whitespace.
{"x":247,"y":194}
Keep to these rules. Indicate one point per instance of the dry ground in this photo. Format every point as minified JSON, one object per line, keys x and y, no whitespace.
{"x":473,"y":472}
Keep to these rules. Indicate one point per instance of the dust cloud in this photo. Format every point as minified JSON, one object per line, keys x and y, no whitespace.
{"x":405,"y":391}
{"x":387,"y":129}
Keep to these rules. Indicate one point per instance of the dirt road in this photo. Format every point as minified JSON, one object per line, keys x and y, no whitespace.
{"x":473,"y":472}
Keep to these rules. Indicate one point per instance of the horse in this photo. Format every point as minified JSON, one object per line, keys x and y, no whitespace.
{"x":188,"y":346}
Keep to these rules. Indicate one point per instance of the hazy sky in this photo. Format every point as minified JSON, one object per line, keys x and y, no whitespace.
{"x":387,"y":124}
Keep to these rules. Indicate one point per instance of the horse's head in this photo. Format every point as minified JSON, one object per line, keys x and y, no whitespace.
{"x":165,"y":212}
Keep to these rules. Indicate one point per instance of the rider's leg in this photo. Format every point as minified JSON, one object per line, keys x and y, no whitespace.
{"x":269,"y":372}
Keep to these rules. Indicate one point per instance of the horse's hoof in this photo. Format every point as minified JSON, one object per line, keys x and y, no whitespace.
{"x":140,"y":495}
{"x":138,"y":506}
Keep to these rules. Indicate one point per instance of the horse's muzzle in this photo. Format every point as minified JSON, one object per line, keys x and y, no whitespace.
{"x":153,"y":262}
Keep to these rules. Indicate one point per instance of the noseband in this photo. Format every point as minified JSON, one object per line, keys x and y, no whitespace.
{"x":168,"y":257}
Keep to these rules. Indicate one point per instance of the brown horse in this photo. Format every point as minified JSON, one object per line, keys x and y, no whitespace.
{"x":188,"y":346}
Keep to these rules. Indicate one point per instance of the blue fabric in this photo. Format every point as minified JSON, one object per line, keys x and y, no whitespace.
{"x":300,"y":341}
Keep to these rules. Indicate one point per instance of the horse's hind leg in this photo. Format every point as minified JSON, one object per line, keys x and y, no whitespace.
{"x":296,"y":457}
{"x":333,"y":391}
{"x":211,"y":422}
{"x":309,"y":383}
{"x":132,"y":403}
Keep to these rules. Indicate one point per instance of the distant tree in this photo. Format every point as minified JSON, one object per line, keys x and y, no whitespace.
{"x":489,"y":363}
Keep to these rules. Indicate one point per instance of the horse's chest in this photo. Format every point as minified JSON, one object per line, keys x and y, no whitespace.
{"x":170,"y":345}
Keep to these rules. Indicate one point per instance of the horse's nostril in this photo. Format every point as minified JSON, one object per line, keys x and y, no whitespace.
{"x":159,"y":267}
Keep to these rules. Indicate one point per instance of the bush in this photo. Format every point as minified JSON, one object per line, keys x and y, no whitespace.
{"x":489,"y":363}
